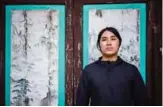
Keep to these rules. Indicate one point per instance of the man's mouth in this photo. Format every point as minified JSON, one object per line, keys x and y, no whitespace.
{"x":109,"y":48}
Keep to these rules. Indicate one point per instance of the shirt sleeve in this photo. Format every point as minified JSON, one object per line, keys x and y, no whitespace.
{"x":83,"y":95}
{"x":139,"y":90}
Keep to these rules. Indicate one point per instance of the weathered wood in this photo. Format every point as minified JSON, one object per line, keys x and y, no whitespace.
{"x":2,"y":85}
{"x":2,"y":56}
{"x":69,"y":53}
{"x":149,"y":54}
{"x":156,"y":71}
{"x":77,"y":22}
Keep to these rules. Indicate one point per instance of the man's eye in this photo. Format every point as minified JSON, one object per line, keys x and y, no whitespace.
{"x":113,"y":39}
{"x":104,"y":39}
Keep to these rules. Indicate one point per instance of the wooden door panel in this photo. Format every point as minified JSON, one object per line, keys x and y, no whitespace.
{"x":150,"y":57}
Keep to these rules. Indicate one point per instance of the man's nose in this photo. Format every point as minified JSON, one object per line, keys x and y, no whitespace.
{"x":108,"y":42}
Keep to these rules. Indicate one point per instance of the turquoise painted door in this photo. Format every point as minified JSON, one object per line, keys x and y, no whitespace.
{"x":129,"y":19}
{"x":35,"y":55}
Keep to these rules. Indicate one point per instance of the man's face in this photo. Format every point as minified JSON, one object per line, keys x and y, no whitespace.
{"x":109,"y":44}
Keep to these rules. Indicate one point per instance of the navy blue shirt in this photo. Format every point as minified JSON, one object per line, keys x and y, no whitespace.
{"x":105,"y":83}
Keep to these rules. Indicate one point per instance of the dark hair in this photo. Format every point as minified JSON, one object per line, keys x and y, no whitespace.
{"x":111,"y":29}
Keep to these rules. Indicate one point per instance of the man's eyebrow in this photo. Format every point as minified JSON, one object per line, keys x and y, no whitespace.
{"x":113,"y":36}
{"x":104,"y":37}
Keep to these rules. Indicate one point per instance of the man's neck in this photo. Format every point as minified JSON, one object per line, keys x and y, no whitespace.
{"x":109,"y":58}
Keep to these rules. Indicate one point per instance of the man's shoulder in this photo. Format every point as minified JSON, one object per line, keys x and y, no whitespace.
{"x":129,"y":65}
{"x":91,"y":66}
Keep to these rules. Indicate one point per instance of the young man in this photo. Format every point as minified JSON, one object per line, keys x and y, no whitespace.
{"x":110,"y":80}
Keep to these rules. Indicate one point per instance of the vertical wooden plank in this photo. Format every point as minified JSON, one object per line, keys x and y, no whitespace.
{"x":2,"y":89}
{"x":69,"y":53}
{"x":2,"y":98}
{"x":149,"y":53}
{"x":2,"y":61}
{"x":156,"y":54}
{"x":77,"y":22}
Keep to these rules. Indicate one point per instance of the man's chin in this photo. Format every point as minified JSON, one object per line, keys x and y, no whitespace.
{"x":110,"y":54}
